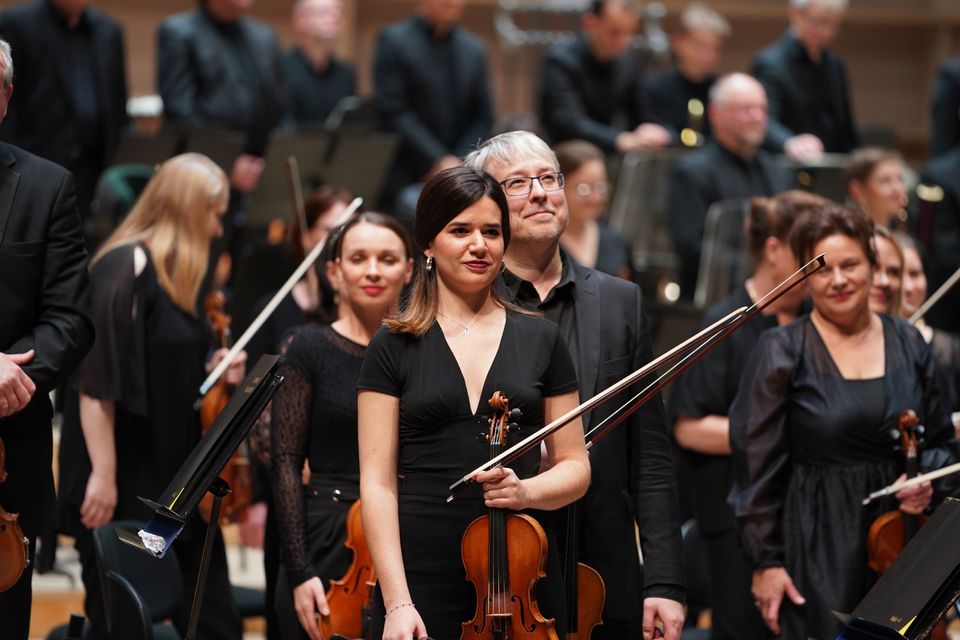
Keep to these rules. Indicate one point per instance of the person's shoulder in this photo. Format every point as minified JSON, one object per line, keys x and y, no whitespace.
{"x":906,"y":331}
{"x":29,"y":164}
{"x":118,"y":260}
{"x":698,"y":160}
{"x":725,"y":307}
{"x":611,"y":288}
{"x":774,"y":54}
{"x":183,"y":23}
{"x":566,"y":53}
{"x":103,"y":20}
{"x":533,"y":326}
{"x":951,"y":69}
{"x":256,"y":29}
{"x":398,"y":31}
{"x":21,"y":15}
{"x":943,"y":169}
{"x":469,"y":39}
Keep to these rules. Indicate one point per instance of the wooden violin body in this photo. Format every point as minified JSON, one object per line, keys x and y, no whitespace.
{"x":591,"y":594}
{"x":236,"y":473}
{"x":504,"y":555}
{"x":350,"y":598}
{"x":14,"y":546}
{"x":506,"y":607}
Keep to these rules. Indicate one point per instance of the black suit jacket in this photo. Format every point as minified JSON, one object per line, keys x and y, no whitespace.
{"x":410,"y":91}
{"x":940,"y":232}
{"x":200,"y":88}
{"x":583,"y":98}
{"x":706,"y":176}
{"x":792,"y":91}
{"x":41,"y":113}
{"x":670,"y":94}
{"x":945,"y":108}
{"x":633,"y":477}
{"x":46,"y":307}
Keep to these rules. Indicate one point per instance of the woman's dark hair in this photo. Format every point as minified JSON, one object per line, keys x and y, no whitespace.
{"x":448,"y":194}
{"x":334,"y":248}
{"x":831,"y":219}
{"x":774,"y":217}
{"x":313,"y":209}
{"x":865,"y":159}
{"x":444,"y":197}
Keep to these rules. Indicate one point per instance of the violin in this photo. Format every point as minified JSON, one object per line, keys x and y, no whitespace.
{"x":14,"y":546}
{"x":236,"y":473}
{"x":504,"y":555}
{"x":351,"y":597}
{"x":585,"y":589}
{"x":891,"y":531}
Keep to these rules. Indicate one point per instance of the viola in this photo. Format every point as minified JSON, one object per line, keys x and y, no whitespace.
{"x":236,"y":472}
{"x":891,"y":531}
{"x":504,"y":555}
{"x":351,"y":597}
{"x":585,"y":589}
{"x":14,"y":546}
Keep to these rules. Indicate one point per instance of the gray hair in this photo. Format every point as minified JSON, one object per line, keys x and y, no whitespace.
{"x":6,"y":65}
{"x":508,"y":148}
{"x":835,"y":5}
{"x":700,"y":16}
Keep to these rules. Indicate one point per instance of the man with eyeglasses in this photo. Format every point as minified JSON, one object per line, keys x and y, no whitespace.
{"x":807,"y":85}
{"x":731,"y":166}
{"x":602,"y":321}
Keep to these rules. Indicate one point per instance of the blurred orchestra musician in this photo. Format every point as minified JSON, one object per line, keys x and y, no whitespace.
{"x":945,"y":109}
{"x":875,"y":182}
{"x":806,"y":84}
{"x":679,"y":97}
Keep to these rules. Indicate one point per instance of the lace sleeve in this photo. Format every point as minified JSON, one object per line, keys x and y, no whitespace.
{"x":290,"y":417}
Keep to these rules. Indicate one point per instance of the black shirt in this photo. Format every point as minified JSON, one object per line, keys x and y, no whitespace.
{"x":314,"y":93}
{"x":670,"y":94}
{"x":558,"y":306}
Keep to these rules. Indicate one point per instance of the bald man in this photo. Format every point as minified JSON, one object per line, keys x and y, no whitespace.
{"x":731,"y":166}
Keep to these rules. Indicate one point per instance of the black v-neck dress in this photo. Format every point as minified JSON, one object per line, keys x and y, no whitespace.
{"x":808,"y":445}
{"x":441,"y":439}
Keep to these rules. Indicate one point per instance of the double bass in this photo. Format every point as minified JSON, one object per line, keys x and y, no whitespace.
{"x":14,"y":546}
{"x":504,"y":555}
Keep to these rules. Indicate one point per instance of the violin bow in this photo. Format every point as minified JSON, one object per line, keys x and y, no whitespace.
{"x":935,"y":298}
{"x":690,"y":350}
{"x":273,"y":304}
{"x":912,"y":482}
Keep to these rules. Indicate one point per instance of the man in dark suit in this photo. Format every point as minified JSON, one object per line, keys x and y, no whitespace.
{"x":678,"y":97}
{"x":45,"y":329}
{"x":731,"y":166}
{"x":71,"y":100}
{"x":807,"y":85}
{"x":601,"y":319}
{"x":430,"y":82}
{"x":592,"y":87}
{"x":945,"y":108}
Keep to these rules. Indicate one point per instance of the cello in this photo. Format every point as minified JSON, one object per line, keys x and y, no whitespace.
{"x":504,"y":555}
{"x":14,"y":546}
{"x":236,"y":473}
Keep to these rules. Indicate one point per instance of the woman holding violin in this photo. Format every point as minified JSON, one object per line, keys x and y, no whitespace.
{"x":701,"y":399}
{"x":814,"y":429}
{"x":130,"y":421}
{"x":314,"y":416}
{"x":423,"y":396}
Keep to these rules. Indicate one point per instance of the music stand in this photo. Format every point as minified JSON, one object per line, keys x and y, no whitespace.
{"x":198,"y":474}
{"x":221,"y":146}
{"x":271,"y":198}
{"x":137,"y":148}
{"x":359,"y":162}
{"x":918,"y":588}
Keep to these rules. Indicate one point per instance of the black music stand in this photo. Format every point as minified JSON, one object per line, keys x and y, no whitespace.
{"x":221,"y":146}
{"x":198,"y":474}
{"x":138,"y":148}
{"x":359,"y":162}
{"x":271,"y":199}
{"x":918,"y":588}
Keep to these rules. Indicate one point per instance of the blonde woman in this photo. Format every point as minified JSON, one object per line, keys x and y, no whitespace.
{"x":129,"y":421}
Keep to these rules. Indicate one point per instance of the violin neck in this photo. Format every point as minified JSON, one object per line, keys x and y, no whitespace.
{"x":910,"y":523}
{"x":498,"y":572}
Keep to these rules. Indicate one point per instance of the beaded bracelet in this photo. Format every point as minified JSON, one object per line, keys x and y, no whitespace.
{"x":399,"y":606}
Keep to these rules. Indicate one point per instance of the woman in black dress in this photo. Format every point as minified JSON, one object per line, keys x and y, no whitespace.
{"x":315,"y":415}
{"x":423,"y":391}
{"x":810,"y":432}
{"x":133,"y":423}
{"x":701,"y":399}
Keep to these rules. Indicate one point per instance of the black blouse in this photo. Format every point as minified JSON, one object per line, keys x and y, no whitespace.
{"x":314,"y":416}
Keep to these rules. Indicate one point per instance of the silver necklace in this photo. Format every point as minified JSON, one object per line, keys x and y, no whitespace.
{"x":466,"y":327}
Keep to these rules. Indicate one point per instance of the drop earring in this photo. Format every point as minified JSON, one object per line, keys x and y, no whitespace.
{"x":429,"y":263}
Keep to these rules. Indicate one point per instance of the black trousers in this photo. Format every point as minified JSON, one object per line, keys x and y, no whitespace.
{"x":734,"y":615}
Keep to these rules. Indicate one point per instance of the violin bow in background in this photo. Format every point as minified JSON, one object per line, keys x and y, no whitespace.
{"x":689,"y":351}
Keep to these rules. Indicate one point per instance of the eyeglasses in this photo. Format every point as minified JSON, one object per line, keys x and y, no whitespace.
{"x":522,"y":185}
{"x":584,"y":189}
